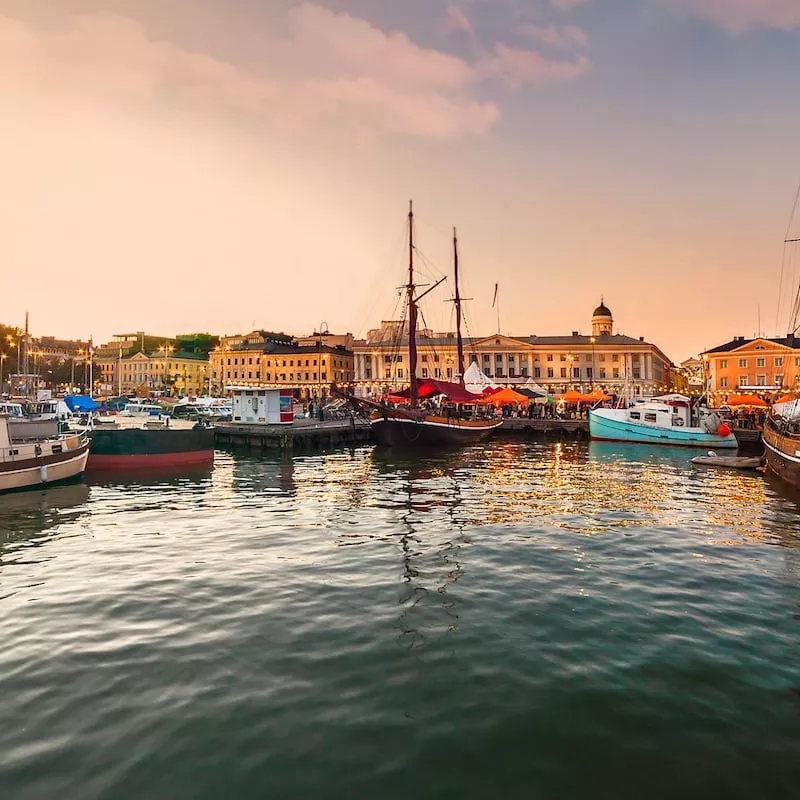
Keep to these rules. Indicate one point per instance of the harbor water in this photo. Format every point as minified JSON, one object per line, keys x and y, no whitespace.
{"x":516,"y":620}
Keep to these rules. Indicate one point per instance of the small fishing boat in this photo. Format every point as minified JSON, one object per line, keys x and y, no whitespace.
{"x":670,"y":419}
{"x":34,"y":454}
{"x":729,"y":462}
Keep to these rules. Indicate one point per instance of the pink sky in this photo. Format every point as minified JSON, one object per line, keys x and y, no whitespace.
{"x":208,"y":166}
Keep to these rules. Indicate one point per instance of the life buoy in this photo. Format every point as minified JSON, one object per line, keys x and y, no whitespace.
{"x":678,"y":421}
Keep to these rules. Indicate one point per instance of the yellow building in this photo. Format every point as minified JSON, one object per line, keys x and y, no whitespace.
{"x":263,"y":358}
{"x":165,"y":373}
{"x":557,"y":363}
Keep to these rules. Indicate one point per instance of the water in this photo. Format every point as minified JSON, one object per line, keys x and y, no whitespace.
{"x":528,"y":620}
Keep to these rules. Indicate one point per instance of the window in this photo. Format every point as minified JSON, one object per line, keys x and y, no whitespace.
{"x":424,"y":372}
{"x":615,"y":372}
{"x":576,"y":373}
{"x":549,"y":372}
{"x":601,"y":357}
{"x":779,"y":361}
{"x":761,"y":380}
{"x":449,"y":372}
{"x":615,"y":357}
{"x":723,"y":364}
{"x":510,"y":358}
{"x":742,"y":362}
{"x":761,"y":362}
{"x":563,"y":372}
{"x":424,"y":358}
{"x":511,"y":372}
{"x":437,"y":373}
{"x":589,"y":373}
{"x":537,"y":372}
{"x":435,"y":357}
{"x":650,"y":417}
{"x":635,"y":415}
{"x":562,"y":357}
{"x":760,"y":347}
{"x":602,"y":373}
{"x":779,"y":380}
{"x":524,"y":372}
{"x":487,"y":358}
{"x":325,"y":375}
{"x":549,"y":356}
{"x":637,"y":374}
{"x":498,"y":357}
{"x":386,"y":360}
{"x":743,"y":380}
{"x":797,"y":362}
{"x":723,"y":383}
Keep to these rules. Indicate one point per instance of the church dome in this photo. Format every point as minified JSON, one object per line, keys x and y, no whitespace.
{"x":601,"y":311}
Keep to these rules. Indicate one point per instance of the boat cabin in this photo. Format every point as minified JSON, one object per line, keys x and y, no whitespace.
{"x":669,"y":411}
{"x":140,"y":408}
{"x":13,"y":410}
{"x":261,"y":406}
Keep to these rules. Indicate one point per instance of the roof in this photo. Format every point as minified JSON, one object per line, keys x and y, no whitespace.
{"x":601,"y":310}
{"x":790,"y":341}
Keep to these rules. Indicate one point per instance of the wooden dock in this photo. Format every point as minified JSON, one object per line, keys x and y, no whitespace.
{"x":307,"y":434}
{"x":302,"y":434}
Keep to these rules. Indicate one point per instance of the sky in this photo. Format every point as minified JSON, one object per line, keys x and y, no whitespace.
{"x":184,"y":165}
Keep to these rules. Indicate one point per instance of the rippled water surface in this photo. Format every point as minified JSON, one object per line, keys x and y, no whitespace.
{"x":524,"y":620}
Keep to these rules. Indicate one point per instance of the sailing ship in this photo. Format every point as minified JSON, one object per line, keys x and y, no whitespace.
{"x":781,"y":434}
{"x":460,"y":421}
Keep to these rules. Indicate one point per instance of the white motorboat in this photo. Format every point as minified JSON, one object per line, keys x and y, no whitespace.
{"x":34,"y":454}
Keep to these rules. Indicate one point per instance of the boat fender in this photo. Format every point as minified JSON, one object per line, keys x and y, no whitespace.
{"x":43,"y":473}
{"x":679,"y":421}
{"x":723,"y":430}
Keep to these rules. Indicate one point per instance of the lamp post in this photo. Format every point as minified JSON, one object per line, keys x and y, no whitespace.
{"x":3,"y":357}
{"x":592,"y":339}
{"x":570,"y":359}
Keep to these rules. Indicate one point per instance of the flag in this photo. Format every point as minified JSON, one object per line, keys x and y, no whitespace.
{"x":494,"y":299}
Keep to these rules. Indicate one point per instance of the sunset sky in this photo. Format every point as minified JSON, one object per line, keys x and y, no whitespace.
{"x":182,"y":165}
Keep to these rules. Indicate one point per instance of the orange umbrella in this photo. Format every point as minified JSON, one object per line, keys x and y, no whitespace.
{"x":597,"y":394}
{"x":504,"y":396}
{"x":787,"y":398}
{"x":746,"y":400}
{"x":572,"y":397}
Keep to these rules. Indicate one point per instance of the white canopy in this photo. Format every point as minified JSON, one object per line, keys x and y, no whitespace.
{"x":532,"y":386}
{"x":475,"y":380}
{"x":790,"y":410}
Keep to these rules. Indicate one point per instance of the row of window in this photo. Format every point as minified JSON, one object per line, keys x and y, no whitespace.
{"x":512,"y":358}
{"x":281,"y":376}
{"x":577,"y":373}
{"x":336,"y":363}
{"x":760,"y":362}
{"x":761,"y":380}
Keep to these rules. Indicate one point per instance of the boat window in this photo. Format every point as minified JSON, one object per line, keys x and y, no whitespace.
{"x":650,"y":417}
{"x":635,"y":415}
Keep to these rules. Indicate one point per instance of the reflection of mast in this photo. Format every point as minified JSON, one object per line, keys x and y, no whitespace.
{"x":457,"y":302}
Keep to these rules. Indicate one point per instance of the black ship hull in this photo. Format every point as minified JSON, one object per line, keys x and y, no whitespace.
{"x":408,"y":433}
{"x":136,"y":448}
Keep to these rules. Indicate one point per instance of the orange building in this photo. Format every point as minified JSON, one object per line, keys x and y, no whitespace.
{"x":764,"y":366}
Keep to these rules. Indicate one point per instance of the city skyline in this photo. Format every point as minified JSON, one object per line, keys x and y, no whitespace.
{"x":198,"y":168}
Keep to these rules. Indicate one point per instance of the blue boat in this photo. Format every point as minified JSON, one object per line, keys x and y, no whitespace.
{"x":668,"y":420}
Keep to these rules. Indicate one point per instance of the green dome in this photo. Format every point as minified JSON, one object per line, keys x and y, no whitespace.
{"x":601,"y":311}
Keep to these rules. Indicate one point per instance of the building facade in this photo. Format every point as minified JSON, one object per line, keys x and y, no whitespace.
{"x":557,"y":363}
{"x":761,"y":365}
{"x":162,"y":372}
{"x":265,"y":359}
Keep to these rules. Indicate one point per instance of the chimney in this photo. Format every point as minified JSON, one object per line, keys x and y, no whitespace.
{"x":574,"y":333}
{"x":641,"y":338}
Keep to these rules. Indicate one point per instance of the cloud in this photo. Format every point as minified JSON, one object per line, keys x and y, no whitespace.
{"x":320,"y":66}
{"x":564,"y":37}
{"x":519,"y":67}
{"x":739,"y":16}
{"x":456,"y":20}
{"x":567,"y":5}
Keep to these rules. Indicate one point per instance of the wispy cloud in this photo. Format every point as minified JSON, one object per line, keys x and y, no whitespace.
{"x":565,"y":36}
{"x":321,"y":65}
{"x":739,"y":16}
{"x":566,"y":5}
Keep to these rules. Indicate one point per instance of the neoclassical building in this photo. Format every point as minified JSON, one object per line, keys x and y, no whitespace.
{"x":557,"y":363}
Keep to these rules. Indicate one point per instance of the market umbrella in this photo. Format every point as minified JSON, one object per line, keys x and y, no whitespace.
{"x":746,"y":400}
{"x":504,"y":396}
{"x":572,"y":397}
{"x":787,"y":398}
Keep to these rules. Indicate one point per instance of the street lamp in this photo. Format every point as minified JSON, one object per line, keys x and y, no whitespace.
{"x":3,"y":357}
{"x":570,"y":359}
{"x":592,"y":339}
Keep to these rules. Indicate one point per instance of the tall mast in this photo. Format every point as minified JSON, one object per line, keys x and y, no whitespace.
{"x":457,"y":302}
{"x":412,"y":310}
